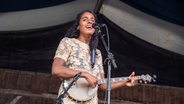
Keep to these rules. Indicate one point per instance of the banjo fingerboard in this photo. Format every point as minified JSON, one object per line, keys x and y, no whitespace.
{"x":118,"y":79}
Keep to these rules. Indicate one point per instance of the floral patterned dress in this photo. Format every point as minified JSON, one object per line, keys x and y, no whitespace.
{"x":77,"y":57}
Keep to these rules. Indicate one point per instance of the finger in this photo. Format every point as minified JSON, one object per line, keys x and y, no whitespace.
{"x":132,"y":74}
{"x":94,"y":84}
{"x":132,"y":81}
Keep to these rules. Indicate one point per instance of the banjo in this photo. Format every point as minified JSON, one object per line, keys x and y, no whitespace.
{"x":81,"y":91}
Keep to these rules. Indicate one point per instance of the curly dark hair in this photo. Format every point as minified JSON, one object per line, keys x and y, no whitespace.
{"x":73,"y":32}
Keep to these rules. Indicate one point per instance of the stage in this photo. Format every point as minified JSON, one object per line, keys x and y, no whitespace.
{"x":24,"y":87}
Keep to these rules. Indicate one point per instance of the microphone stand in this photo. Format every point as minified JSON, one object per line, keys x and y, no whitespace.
{"x":111,"y":60}
{"x":59,"y":100}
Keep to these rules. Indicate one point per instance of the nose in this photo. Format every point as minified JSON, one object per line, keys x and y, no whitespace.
{"x":90,"y":21}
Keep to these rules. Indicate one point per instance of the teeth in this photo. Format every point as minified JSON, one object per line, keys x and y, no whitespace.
{"x":88,"y":26}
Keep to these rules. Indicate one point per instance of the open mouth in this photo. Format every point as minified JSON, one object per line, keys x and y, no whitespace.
{"x":89,"y":26}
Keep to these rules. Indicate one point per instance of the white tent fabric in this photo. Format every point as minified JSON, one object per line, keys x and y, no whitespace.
{"x":151,"y":29}
{"x":44,"y":17}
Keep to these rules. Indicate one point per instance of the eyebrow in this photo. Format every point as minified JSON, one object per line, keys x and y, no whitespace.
{"x":86,"y":17}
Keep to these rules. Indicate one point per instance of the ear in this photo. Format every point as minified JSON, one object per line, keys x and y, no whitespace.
{"x":77,"y":27}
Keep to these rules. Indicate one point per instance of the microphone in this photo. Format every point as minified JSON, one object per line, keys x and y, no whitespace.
{"x":94,"y":43}
{"x":96,"y":25}
{"x":93,"y":57}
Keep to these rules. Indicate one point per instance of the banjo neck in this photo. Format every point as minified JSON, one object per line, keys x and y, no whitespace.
{"x":117,"y":79}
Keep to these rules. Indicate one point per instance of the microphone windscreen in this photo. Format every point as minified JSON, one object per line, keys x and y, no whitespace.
{"x":95,"y":25}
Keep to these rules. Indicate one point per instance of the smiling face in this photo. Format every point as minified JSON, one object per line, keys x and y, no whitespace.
{"x":85,"y":24}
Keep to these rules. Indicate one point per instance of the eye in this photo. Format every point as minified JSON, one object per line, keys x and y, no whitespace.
{"x":84,"y":19}
{"x":93,"y":20}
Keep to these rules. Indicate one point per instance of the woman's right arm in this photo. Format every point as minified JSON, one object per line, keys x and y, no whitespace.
{"x":59,"y":69}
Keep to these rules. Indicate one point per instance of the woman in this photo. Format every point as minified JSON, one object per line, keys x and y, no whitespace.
{"x":73,"y":56}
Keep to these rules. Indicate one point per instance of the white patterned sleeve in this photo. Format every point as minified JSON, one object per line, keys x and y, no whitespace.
{"x":63,"y":49}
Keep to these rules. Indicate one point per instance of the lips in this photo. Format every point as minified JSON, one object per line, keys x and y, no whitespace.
{"x":89,"y":26}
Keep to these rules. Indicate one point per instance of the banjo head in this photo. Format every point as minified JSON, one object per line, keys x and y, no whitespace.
{"x":80,"y":90}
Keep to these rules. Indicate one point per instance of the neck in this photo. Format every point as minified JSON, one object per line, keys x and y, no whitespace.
{"x":84,"y":39}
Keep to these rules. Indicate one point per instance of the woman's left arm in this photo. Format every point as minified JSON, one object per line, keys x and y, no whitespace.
{"x":116,"y":85}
